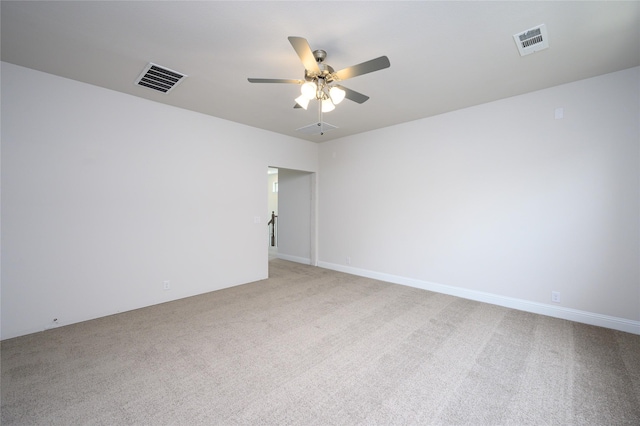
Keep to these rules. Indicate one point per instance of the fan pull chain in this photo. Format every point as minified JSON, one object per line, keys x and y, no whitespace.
{"x":320,"y":118}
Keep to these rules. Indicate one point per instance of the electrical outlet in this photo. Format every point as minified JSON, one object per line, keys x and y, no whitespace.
{"x":555,"y":296}
{"x":559,"y":113}
{"x":166,"y":285}
{"x":52,"y":324}
{"x":348,"y":260}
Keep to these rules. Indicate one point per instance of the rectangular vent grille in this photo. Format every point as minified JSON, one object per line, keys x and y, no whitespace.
{"x":316,"y":128}
{"x":159,"y":78}
{"x":532,"y":40}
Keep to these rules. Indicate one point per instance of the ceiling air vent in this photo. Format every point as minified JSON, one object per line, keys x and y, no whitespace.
{"x":317,"y":128}
{"x":159,"y":78}
{"x":532,"y":40}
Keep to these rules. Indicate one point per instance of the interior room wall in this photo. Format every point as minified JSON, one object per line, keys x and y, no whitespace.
{"x":506,"y":201}
{"x":106,"y":196}
{"x":295,"y":217}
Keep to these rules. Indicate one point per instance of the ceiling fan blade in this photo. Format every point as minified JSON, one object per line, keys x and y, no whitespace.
{"x":274,"y":80}
{"x":364,"y":68}
{"x":353,"y":95}
{"x":302,"y":48}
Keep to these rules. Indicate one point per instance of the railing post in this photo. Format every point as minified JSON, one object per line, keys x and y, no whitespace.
{"x":272,"y":223}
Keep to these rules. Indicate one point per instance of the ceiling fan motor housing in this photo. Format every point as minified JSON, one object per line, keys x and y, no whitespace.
{"x":326,"y":73}
{"x":326,"y":70}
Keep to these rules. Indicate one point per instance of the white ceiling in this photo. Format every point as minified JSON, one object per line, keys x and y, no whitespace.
{"x":444,"y":55}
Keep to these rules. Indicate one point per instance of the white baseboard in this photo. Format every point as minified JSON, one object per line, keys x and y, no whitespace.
{"x":585,"y":317}
{"x":296,"y":259}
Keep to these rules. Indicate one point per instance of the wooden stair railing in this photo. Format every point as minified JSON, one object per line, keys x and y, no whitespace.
{"x":272,"y":223}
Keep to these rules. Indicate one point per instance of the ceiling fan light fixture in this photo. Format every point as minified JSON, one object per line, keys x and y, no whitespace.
{"x":337,"y":95}
{"x":327,"y":105}
{"x":302,"y":101}
{"x":308,"y":90}
{"x":320,"y":79}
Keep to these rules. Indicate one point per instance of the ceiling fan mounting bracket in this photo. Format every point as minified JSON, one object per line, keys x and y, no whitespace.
{"x":319,"y":55}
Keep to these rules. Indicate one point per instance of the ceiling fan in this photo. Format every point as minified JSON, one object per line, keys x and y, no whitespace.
{"x":321,"y":81}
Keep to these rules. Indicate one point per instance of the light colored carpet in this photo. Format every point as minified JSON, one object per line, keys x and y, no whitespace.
{"x":311,"y":346}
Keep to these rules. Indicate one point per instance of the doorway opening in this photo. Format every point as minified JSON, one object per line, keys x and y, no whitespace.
{"x":291,"y":215}
{"x":272,"y":191}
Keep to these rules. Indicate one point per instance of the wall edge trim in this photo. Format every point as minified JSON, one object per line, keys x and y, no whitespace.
{"x":304,"y":260}
{"x":585,"y":317}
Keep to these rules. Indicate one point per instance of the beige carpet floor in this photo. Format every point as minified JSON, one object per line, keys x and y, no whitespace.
{"x":311,"y":346}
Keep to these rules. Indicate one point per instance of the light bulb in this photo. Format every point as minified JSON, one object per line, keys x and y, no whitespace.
{"x":327,"y":105}
{"x":337,"y":95}
{"x":308,"y":90}
{"x":302,"y":101}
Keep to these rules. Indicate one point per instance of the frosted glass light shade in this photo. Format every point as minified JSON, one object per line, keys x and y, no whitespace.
{"x":337,"y":95}
{"x":302,"y":101}
{"x":308,"y":90}
{"x":327,"y":105}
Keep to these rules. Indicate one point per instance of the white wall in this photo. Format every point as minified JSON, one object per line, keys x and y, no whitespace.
{"x":105,"y":196}
{"x":295,"y":217}
{"x":500,"y":202}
